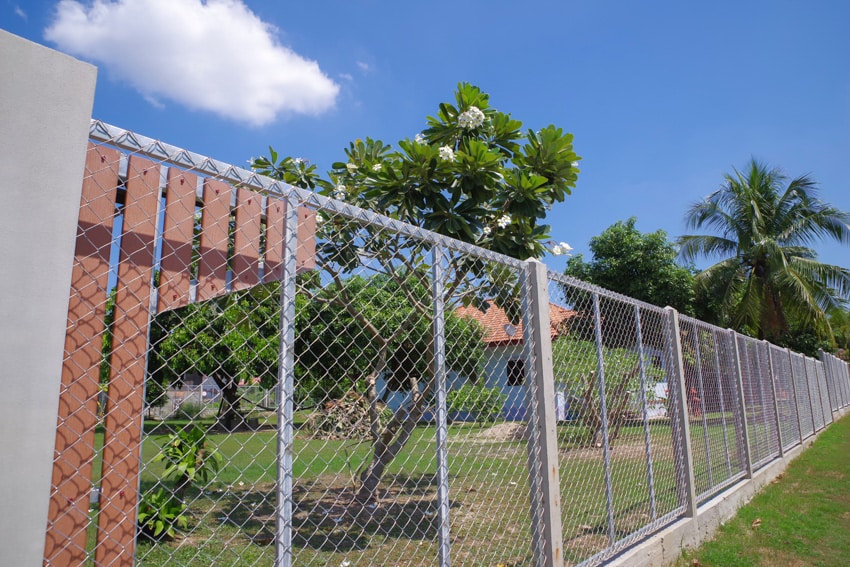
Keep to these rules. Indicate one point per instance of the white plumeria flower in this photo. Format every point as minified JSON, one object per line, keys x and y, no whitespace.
{"x":298,"y":160}
{"x":561,"y":249}
{"x":319,"y":218}
{"x":351,"y":167}
{"x":447,"y":153}
{"x":504,"y":221}
{"x":377,"y":167}
{"x":471,"y":118}
{"x":487,"y":230}
{"x":574,"y":164}
{"x":420,"y":139}
{"x":339,"y":192}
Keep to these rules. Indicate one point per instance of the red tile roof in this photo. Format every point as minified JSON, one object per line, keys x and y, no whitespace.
{"x":499,"y":331}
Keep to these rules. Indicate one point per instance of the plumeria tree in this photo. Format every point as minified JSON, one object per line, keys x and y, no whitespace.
{"x":472,"y":175}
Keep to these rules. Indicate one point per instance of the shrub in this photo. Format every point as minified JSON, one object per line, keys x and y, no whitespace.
{"x":187,"y":462}
{"x":479,"y":400}
{"x":189,"y":411}
{"x":159,"y":514}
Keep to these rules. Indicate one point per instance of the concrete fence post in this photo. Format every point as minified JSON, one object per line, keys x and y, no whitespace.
{"x":682,"y":413}
{"x":46,"y":101}
{"x":547,"y":535}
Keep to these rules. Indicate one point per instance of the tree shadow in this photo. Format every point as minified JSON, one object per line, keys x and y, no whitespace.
{"x":329,"y":519}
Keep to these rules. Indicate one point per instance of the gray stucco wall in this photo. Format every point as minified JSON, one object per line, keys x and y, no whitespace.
{"x":45,"y":108}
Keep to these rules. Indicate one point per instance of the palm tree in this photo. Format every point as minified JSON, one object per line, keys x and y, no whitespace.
{"x":768,"y":274}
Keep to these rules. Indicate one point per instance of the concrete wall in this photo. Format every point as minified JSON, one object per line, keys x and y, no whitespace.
{"x":45,"y":108}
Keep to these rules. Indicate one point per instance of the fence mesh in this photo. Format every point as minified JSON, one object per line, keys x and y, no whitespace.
{"x":714,"y":409}
{"x":257,"y":375}
{"x":611,"y":361}
{"x":758,"y":397}
{"x":780,"y":363}
{"x":814,"y":394}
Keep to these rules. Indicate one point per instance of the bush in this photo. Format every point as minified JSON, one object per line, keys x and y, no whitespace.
{"x":189,"y":411}
{"x":187,"y":462}
{"x":160,"y":515}
{"x":482,"y":402}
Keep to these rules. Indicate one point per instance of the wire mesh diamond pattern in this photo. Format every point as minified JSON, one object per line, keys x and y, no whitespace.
{"x":258,"y":375}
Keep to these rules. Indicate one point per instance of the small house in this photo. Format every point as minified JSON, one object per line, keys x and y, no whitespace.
{"x":504,"y":360}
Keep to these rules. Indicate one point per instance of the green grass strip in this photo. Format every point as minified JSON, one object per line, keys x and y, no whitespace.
{"x":801,"y":518}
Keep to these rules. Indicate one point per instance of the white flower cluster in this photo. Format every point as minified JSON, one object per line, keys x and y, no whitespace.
{"x":447,"y":153}
{"x":504,"y":221}
{"x":351,"y":167}
{"x":471,"y":118}
{"x":487,"y":230}
{"x":420,"y":139}
{"x":339,"y":192}
{"x":298,"y":160}
{"x":377,"y":167}
{"x":561,"y":249}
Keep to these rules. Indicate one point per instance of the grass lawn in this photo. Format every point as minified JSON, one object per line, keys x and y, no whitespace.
{"x":802,"y":518}
{"x":232,"y":518}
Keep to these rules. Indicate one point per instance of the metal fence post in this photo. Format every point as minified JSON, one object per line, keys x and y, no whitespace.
{"x":828,"y":375}
{"x":794,"y":391}
{"x":824,"y":395}
{"x":683,"y":415}
{"x":812,"y":397}
{"x":441,"y":416}
{"x":809,"y":392}
{"x":717,"y":343}
{"x":543,"y":432}
{"x":650,"y":480}
{"x":698,"y":354}
{"x":742,"y":407}
{"x":603,"y":411}
{"x":286,"y":385}
{"x":772,"y":372}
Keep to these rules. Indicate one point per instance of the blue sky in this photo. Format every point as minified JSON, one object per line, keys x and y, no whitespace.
{"x":663,"y":97}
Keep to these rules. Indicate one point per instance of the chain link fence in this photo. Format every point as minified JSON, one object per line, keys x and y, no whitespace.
{"x":258,"y":375}
{"x":619,"y":470}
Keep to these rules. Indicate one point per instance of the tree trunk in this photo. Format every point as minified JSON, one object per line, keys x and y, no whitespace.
{"x":229,"y":416}
{"x":775,"y":322}
{"x":395,"y":435}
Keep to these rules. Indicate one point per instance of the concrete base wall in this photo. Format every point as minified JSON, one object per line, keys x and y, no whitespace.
{"x":46,"y":102}
{"x":665,"y":547}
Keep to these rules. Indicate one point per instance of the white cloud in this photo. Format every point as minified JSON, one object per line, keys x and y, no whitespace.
{"x":365,"y":67}
{"x":21,"y":14}
{"x":215,"y":55}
